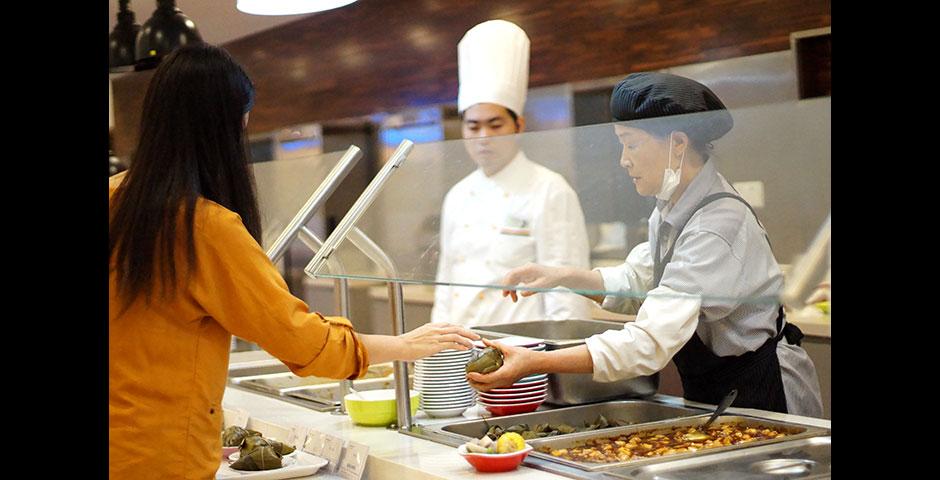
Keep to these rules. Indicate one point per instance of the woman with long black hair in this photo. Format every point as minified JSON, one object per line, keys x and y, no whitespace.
{"x":186,"y":272}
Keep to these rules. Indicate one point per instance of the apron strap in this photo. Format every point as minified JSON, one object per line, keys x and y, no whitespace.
{"x":659,"y":264}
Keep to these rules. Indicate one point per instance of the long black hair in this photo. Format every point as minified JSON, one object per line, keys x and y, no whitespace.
{"x":192,"y":144}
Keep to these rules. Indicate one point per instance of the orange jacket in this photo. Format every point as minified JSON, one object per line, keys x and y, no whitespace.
{"x":168,"y":362}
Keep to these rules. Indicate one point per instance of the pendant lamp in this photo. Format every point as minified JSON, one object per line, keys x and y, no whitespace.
{"x":122,"y":40}
{"x":166,"y":30}
{"x":288,"y":7}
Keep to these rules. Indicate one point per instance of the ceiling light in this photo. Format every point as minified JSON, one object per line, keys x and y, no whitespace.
{"x":122,"y":40}
{"x":166,"y":30}
{"x":288,"y":7}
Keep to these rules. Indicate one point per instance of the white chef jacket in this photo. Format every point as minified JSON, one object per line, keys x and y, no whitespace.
{"x":721,"y":283}
{"x":490,"y":225}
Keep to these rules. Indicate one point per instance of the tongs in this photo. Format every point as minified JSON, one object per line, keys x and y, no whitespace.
{"x":700,"y":435}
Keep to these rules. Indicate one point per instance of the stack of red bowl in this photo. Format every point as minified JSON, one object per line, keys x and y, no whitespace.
{"x":523,"y":396}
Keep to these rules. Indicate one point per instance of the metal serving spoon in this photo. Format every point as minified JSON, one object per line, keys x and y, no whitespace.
{"x":699,"y":435}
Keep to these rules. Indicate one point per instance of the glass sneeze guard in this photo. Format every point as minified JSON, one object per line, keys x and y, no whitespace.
{"x":285,"y":187}
{"x":777,"y":156}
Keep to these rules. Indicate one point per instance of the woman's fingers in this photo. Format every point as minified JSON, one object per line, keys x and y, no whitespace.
{"x":447,"y":328}
{"x":454,"y":338}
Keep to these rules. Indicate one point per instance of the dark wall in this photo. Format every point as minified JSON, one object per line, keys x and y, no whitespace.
{"x":386,"y":55}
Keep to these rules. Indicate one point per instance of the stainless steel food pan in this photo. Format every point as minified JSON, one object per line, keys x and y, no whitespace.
{"x":631,"y":411}
{"x":798,"y":431}
{"x":809,"y":458}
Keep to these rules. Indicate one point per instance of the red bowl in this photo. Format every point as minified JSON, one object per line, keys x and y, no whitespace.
{"x":512,"y":396}
{"x":513,"y":390}
{"x":500,"y":410}
{"x":494,"y":462}
{"x":512,"y":401}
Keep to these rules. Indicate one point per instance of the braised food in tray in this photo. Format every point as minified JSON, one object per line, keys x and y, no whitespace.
{"x":661,"y":442}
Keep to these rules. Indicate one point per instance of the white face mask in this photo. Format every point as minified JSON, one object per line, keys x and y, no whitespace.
{"x":670,"y":176}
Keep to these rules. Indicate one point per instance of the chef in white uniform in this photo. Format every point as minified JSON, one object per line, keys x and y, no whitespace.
{"x":705,"y":285}
{"x":510,"y":211}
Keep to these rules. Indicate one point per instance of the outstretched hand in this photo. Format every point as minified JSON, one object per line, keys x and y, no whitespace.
{"x":532,"y":275}
{"x":432,"y":338}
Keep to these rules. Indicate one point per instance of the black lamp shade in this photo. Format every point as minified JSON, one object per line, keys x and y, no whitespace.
{"x":121,"y":41}
{"x":166,"y":30}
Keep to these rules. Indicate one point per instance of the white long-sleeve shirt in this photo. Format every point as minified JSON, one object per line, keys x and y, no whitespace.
{"x":490,"y":225}
{"x":722,"y":283}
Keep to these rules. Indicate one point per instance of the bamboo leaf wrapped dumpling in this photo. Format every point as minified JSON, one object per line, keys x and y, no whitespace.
{"x":262,"y":457}
{"x":281,"y":448}
{"x":489,"y":361}
{"x":234,"y":435}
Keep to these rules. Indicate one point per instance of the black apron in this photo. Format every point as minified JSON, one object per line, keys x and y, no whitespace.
{"x":706,"y":377}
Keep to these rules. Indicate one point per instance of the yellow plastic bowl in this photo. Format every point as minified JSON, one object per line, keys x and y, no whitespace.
{"x":376,"y":408}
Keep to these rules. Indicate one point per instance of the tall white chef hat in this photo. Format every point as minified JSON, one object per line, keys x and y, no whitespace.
{"x":493,"y":65}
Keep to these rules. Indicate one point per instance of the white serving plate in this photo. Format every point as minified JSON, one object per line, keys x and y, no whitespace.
{"x":302,"y":464}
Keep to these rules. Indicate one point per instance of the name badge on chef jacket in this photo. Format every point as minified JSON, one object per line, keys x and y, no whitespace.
{"x":513,"y":225}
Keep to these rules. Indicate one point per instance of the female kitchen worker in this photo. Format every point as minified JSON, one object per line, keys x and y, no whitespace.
{"x":186,"y":272}
{"x":510,"y":210}
{"x":707,"y":255}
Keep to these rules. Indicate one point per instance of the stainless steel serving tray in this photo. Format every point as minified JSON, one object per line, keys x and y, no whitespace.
{"x":331,"y":394}
{"x":632,"y":411}
{"x":283,"y":383}
{"x":280,"y":383}
{"x":809,"y":458}
{"x":578,"y":439}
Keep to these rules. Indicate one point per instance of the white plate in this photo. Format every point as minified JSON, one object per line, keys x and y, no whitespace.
{"x":448,"y":359}
{"x":445,"y":412}
{"x":446,"y":397}
{"x":442,"y":366}
{"x":446,"y":389}
{"x":440,"y":383}
{"x":450,"y":388}
{"x":462,"y":367}
{"x":450,"y":400}
{"x":301,"y":465}
{"x":450,"y":354}
{"x":234,"y":456}
{"x":440,"y":380}
{"x":449,"y":406}
{"x":441,"y":371}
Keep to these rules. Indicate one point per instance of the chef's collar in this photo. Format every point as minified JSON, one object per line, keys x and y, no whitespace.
{"x":515,"y":173}
{"x":697,"y":190}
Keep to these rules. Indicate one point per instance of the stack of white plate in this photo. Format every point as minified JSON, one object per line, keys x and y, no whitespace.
{"x":442,"y":380}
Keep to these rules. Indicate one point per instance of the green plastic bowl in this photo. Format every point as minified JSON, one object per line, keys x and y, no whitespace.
{"x":376,"y":408}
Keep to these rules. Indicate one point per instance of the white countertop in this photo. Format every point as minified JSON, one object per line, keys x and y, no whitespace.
{"x":397,"y":456}
{"x":391,"y":454}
